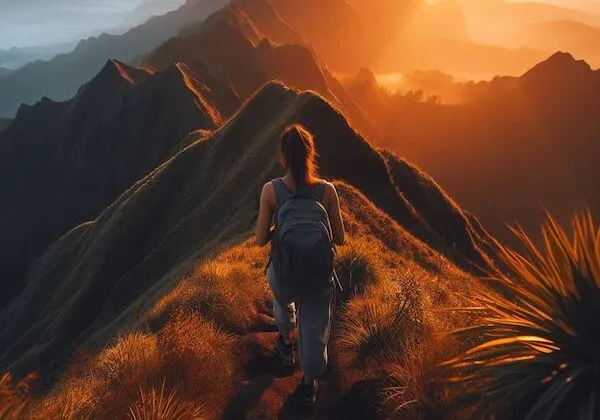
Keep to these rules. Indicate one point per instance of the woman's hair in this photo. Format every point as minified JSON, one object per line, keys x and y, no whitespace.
{"x":298,"y":155}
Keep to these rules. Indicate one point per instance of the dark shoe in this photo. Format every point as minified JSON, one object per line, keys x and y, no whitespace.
{"x":308,"y":393}
{"x":284,"y":351}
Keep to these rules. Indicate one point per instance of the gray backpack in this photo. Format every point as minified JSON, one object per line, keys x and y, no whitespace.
{"x":302,"y":250}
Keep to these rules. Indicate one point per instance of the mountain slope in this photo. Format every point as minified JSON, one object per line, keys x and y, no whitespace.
{"x":520,"y":142}
{"x":60,"y":77}
{"x":103,"y":274}
{"x":76,"y":153}
{"x":252,"y":58}
{"x":578,"y":38}
{"x":62,"y":163}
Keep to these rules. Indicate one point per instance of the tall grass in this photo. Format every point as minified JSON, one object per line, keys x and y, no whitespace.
{"x":538,"y":349}
{"x":14,"y":397}
{"x":189,"y":355}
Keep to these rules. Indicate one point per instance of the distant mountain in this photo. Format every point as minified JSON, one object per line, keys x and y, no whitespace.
{"x":465,"y":59}
{"x":261,"y":47}
{"x":60,"y":77}
{"x":104,"y":272}
{"x":578,"y":38}
{"x":518,"y":143}
{"x":62,"y":163}
{"x":15,"y":58}
{"x":494,"y":21}
{"x":4,"y":72}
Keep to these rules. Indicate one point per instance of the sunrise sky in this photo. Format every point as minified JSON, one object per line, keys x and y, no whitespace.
{"x":26,"y":23}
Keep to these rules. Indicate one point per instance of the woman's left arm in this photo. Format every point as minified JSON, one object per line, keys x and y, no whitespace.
{"x":265,"y":216}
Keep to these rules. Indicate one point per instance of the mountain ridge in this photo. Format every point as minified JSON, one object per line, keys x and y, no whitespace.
{"x":69,"y":71}
{"x":182,"y":210}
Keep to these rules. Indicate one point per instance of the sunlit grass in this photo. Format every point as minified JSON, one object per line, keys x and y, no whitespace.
{"x":14,"y":397}
{"x":189,"y":355}
{"x":161,"y":404}
{"x":539,"y":343}
{"x":230,"y":291}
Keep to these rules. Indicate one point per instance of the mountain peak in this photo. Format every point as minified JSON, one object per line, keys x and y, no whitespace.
{"x":114,"y":73}
{"x":559,"y":65}
{"x":365,"y":77}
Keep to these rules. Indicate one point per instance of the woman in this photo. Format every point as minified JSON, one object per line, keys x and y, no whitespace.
{"x":298,"y":158}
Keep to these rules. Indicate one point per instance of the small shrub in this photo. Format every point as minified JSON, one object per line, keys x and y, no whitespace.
{"x":160,"y":405}
{"x":539,"y":346}
{"x":356,"y":269}
{"x":375,"y":330}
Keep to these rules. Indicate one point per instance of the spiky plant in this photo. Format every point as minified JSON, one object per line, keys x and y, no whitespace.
{"x":539,"y":349}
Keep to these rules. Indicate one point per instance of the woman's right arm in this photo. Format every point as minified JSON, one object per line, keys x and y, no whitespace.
{"x":335,"y":214}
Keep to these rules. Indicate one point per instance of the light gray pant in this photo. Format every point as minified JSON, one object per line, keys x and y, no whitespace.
{"x":314,"y":324}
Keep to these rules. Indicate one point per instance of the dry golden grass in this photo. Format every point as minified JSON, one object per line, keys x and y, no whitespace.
{"x":231,"y":290}
{"x":158,"y":405}
{"x":393,"y":327}
{"x":387,"y":321}
{"x":356,"y":268}
{"x":417,"y":389}
{"x":199,"y":360}
{"x":189,"y":355}
{"x":371,"y":330}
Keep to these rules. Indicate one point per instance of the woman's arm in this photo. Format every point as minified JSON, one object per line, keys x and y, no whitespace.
{"x":265,"y":215}
{"x":335,"y":214}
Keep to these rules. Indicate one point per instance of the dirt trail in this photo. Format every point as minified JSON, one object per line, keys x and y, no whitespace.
{"x":269,"y":389}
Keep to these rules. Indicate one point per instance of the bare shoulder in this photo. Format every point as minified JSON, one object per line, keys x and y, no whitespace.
{"x":330,"y":188}
{"x":330,"y":193}
{"x":268,"y":192}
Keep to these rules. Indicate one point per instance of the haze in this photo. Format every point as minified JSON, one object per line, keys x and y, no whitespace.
{"x":32,"y":23}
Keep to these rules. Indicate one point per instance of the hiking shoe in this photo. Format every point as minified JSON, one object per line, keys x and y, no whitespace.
{"x":284,"y":351}
{"x":308,"y":393}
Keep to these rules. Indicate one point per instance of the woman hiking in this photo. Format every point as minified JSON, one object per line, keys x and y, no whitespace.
{"x":305,"y":213}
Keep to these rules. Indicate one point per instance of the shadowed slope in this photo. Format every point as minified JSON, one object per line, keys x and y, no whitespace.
{"x":253,"y":31}
{"x":60,"y":77}
{"x":62,"y":163}
{"x":4,"y":123}
{"x":103,"y":274}
{"x":255,"y":19}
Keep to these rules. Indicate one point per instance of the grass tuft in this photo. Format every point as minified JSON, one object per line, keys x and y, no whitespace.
{"x":158,"y":405}
{"x":375,"y":331}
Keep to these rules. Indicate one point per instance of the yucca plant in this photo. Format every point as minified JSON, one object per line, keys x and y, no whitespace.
{"x":538,"y":354}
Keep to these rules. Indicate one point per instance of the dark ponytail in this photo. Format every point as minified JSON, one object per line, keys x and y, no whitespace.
{"x":299,"y":155}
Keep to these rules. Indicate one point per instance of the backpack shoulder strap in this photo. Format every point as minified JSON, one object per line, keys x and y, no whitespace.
{"x":282,"y":192}
{"x":319,"y":191}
